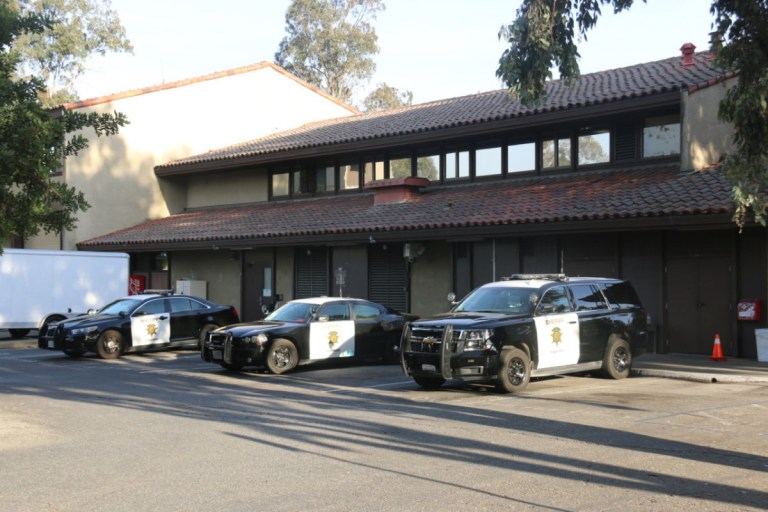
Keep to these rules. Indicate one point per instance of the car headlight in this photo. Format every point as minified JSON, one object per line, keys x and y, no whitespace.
{"x":477,"y":340}
{"x":258,"y":339}
{"x":84,"y":330}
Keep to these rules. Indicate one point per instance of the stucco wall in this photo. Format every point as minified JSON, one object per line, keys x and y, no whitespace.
{"x":220,"y":269}
{"x":116,"y":173}
{"x":705,"y":137}
{"x":238,"y":187}
{"x":431,"y":280}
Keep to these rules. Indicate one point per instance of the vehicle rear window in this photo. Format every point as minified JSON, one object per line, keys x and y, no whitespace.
{"x":621,"y":294}
{"x":587,"y":297}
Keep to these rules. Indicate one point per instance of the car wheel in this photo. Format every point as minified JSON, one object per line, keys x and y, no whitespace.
{"x":617,"y":362}
{"x":428,"y":382}
{"x":282,"y":356}
{"x":204,"y":334}
{"x":514,"y":371}
{"x":109,"y":345}
{"x":74,"y":354}
{"x":18,"y":333}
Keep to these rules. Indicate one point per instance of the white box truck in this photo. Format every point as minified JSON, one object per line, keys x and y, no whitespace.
{"x":38,"y":287}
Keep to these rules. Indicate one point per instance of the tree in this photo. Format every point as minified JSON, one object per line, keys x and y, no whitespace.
{"x":77,"y":30}
{"x":330,"y":43}
{"x":386,"y":97}
{"x":33,"y":144}
{"x":542,"y":35}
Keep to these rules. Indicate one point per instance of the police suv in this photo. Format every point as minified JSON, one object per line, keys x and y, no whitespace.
{"x":528,"y":326}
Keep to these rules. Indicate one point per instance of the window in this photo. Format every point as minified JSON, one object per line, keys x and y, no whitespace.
{"x":152,"y":307}
{"x":374,"y":171}
{"x":594,"y":147}
{"x":350,"y":177}
{"x":333,"y":312}
{"x":301,"y":182}
{"x":365,"y":311}
{"x":521,"y":157}
{"x":587,"y":297}
{"x":555,"y":153}
{"x":325,"y":179}
{"x":428,"y":166}
{"x":400,"y":167}
{"x":456,"y":165}
{"x":281,"y":184}
{"x":661,"y":136}
{"x":488,"y":161}
{"x":555,"y":300}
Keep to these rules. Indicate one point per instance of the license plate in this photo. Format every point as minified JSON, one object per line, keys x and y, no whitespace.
{"x":428,"y":368}
{"x":50,"y":344}
{"x":216,"y":354}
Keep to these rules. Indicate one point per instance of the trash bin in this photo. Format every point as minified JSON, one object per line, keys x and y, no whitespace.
{"x":761,"y":335}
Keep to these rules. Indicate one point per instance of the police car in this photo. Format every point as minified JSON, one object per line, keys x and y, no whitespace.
{"x":529,"y":326}
{"x":310,"y":330}
{"x":149,"y":321}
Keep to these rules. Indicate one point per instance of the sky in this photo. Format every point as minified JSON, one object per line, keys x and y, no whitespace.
{"x":434,"y":48}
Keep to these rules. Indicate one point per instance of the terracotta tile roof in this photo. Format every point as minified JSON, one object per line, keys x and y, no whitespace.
{"x":632,"y":193}
{"x":592,"y":89}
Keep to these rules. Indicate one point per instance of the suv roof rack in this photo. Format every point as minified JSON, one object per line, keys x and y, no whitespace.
{"x":531,"y":277}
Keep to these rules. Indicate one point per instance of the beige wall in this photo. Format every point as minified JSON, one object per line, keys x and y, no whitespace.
{"x":116,"y":173}
{"x":284,"y":272}
{"x":431,"y":280}
{"x":220,"y":269}
{"x":236,"y":188}
{"x":705,"y":138}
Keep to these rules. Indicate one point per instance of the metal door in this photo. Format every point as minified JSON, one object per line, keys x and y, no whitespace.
{"x":258,"y":282}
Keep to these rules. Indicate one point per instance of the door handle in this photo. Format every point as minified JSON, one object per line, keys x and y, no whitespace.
{"x":163,"y":317}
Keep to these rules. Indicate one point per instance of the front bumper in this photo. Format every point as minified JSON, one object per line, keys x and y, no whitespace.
{"x":63,"y":343}
{"x":221,"y":348}
{"x":467,"y":366}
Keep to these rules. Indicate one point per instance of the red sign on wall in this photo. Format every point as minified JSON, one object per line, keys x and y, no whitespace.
{"x":136,"y":285}
{"x":750,"y":309}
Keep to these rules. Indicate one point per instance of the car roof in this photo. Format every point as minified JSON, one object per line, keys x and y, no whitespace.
{"x":539,"y":280}
{"x":323,"y":300}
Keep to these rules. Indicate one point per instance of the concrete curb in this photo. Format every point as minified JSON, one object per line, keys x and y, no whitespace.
{"x":708,"y":378}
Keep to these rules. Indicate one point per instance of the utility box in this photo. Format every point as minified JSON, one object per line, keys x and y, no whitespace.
{"x":192,"y":287}
{"x":761,"y":335}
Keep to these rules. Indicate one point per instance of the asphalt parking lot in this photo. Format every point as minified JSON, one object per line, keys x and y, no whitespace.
{"x":167,"y":431}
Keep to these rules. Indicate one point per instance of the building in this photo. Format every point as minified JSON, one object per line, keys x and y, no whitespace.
{"x":171,"y":121}
{"x":611,"y":177}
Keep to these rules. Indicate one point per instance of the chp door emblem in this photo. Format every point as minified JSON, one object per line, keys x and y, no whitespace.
{"x":333,"y":339}
{"x":152,"y":329}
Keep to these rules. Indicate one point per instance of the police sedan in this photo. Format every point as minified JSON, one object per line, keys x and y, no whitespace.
{"x":150,"y":321}
{"x":310,"y":330}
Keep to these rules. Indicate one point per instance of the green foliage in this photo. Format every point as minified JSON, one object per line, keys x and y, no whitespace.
{"x":740,"y":40}
{"x":542,"y":36}
{"x":33,"y":144}
{"x":75,"y":31}
{"x":386,"y":97}
{"x":330,"y":43}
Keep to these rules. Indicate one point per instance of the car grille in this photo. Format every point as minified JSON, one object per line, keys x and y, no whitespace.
{"x":427,"y":340}
{"x":218,"y":338}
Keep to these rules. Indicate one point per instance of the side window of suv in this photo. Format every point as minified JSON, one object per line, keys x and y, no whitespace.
{"x":555,"y":300}
{"x":621,"y":294}
{"x":587,"y":297}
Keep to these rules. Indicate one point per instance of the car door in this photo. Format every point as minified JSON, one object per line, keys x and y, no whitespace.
{"x":594,"y":321}
{"x":185,"y":318}
{"x":370,"y":332}
{"x":151,"y":324}
{"x":557,"y":329}
{"x":332,"y":332}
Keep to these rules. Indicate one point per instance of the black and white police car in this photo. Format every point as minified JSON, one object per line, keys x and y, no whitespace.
{"x":529,"y":326}
{"x":150,"y":321}
{"x":308,"y":331}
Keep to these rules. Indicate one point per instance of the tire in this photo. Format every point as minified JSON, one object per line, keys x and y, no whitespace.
{"x":514,"y":371}
{"x":204,"y":334}
{"x":617,"y":362}
{"x":18,"y":333}
{"x":110,"y":345}
{"x":428,"y":382}
{"x":74,"y":354}
{"x":282,"y":357}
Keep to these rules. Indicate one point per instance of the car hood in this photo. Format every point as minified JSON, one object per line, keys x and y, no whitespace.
{"x":467,"y":319}
{"x":87,"y":320}
{"x":245,"y":328}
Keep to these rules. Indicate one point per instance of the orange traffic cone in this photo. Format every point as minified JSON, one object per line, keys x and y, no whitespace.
{"x":717,"y":350}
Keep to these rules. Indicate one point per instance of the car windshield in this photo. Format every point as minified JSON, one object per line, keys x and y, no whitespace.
{"x":497,"y":300}
{"x":124,"y":306}
{"x":293,"y":312}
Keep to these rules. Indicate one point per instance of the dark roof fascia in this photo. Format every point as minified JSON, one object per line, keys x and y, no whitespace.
{"x":679,"y":222}
{"x":624,"y":106}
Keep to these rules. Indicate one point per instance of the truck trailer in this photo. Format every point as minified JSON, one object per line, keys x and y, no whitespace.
{"x":37,"y":287}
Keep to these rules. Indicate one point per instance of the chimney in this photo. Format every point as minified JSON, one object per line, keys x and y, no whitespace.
{"x":396,"y":190}
{"x":687,"y":50}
